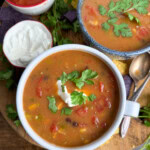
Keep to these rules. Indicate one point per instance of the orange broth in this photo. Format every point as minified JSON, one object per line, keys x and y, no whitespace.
{"x":88,"y":121}
{"x":92,"y":20}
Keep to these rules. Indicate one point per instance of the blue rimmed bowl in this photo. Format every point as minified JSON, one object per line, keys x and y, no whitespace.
{"x":114,"y":54}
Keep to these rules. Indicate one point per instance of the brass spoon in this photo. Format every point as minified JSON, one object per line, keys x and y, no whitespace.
{"x":139,"y":68}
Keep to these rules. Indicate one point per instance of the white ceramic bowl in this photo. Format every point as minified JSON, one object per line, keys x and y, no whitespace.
{"x":132,"y":108}
{"x":34,"y":9}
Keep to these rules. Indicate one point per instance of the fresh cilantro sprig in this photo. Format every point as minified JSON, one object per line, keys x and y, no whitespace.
{"x":79,"y":98}
{"x":122,"y":7}
{"x":7,"y":73}
{"x":52,"y":104}
{"x":53,"y":19}
{"x":12,"y":114}
{"x":85,"y":78}
{"x":145,"y":115}
{"x":66,"y":111}
{"x":79,"y":82}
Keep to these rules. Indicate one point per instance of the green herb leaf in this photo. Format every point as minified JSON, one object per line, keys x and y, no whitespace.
{"x":4,"y":75}
{"x":17,"y":123}
{"x":112,"y":21}
{"x":105,"y":26}
{"x":73,"y":75}
{"x":52,"y":104}
{"x":78,"y":98}
{"x":147,"y":123}
{"x":132,"y":18}
{"x":91,"y":97}
{"x":102,"y":10}
{"x":63,"y":78}
{"x":123,"y":30}
{"x":12,"y":114}
{"x":66,"y":111}
{"x":63,"y":88}
{"x":86,"y":75}
{"x":111,"y":5}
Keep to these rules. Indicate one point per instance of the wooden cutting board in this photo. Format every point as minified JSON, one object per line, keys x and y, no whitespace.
{"x":137,"y":132}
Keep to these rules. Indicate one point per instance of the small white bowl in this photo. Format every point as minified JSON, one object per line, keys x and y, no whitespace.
{"x":125,"y":107}
{"x":11,"y":33}
{"x":33,"y":9}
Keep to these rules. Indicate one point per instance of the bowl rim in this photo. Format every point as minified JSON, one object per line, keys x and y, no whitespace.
{"x":36,"y":61}
{"x":21,"y":6}
{"x":126,"y":54}
{"x":17,"y":66}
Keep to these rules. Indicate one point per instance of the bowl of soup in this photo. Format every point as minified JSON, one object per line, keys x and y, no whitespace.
{"x":31,"y":7}
{"x":72,"y":97}
{"x":116,"y":27}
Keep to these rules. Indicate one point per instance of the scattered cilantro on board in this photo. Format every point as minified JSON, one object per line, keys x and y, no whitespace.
{"x":145,"y":115}
{"x":54,"y":20}
{"x":122,"y":7}
{"x":7,"y":73}
{"x":12,"y":114}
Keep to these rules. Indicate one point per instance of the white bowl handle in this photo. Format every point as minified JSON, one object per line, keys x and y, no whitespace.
{"x":132,"y":109}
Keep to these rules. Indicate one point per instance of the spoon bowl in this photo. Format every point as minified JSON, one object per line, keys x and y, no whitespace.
{"x":139,"y":67}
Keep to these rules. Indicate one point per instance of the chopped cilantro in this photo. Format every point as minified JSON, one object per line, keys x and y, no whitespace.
{"x":105,"y":26}
{"x":79,"y":98}
{"x":52,"y":104}
{"x":12,"y":114}
{"x":66,"y":111}
{"x":123,"y":7}
{"x":63,"y":88}
{"x":132,"y":18}
{"x":122,"y":29}
{"x":63,"y":78}
{"x":86,"y":75}
{"x":102,"y":10}
{"x":112,"y":21}
{"x":91,"y":97}
{"x":73,"y":75}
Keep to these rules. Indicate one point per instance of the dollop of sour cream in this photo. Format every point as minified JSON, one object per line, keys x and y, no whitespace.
{"x":25,"y":41}
{"x":65,"y":96}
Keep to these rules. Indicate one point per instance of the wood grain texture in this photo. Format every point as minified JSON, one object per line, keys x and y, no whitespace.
{"x":9,"y":140}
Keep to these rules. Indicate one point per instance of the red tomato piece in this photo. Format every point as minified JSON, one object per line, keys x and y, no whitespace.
{"x":53,"y":128}
{"x":103,"y":124}
{"x":99,"y":108}
{"x":101,"y":87}
{"x":39,"y":92}
{"x":107,"y":103}
{"x":92,"y":11}
{"x":82,"y":111}
{"x":95,"y":120}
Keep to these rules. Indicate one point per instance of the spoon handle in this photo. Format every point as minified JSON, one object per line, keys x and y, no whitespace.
{"x":126,"y":120}
{"x":124,"y":126}
{"x":137,"y":93}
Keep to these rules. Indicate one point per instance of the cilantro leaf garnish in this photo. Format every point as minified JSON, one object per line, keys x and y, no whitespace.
{"x":86,"y":75}
{"x":66,"y":111}
{"x":105,"y":26}
{"x":122,"y":7}
{"x":12,"y":114}
{"x":4,"y":75}
{"x":102,"y":10}
{"x":74,"y":77}
{"x":79,"y":98}
{"x":52,"y":104}
{"x":122,"y":29}
{"x":132,"y":18}
{"x":91,"y":97}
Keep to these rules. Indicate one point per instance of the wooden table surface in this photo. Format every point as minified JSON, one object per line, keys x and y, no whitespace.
{"x":10,"y":140}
